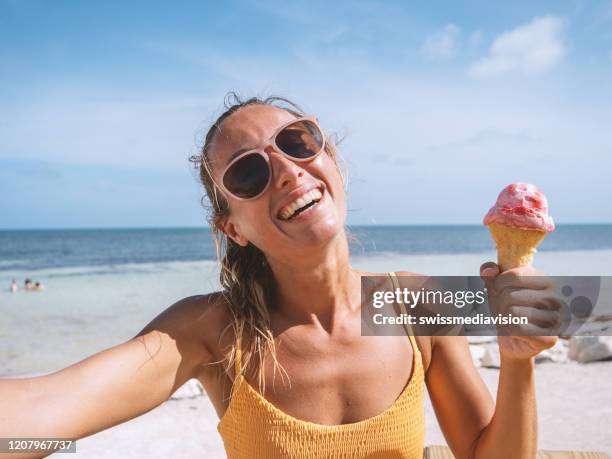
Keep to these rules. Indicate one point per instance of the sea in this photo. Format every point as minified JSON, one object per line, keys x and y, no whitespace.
{"x":22,"y":250}
{"x":102,"y":286}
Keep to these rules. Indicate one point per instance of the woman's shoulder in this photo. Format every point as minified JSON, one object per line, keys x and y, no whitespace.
{"x":407,"y":279}
{"x":208,"y":319}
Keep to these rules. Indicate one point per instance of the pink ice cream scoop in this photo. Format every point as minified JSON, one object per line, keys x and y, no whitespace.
{"x":521,"y":205}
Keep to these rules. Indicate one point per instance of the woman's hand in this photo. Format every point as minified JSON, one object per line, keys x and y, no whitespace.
{"x":523,"y":292}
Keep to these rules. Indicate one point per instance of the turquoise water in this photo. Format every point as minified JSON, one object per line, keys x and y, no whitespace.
{"x":39,"y":249}
{"x":43,"y":249}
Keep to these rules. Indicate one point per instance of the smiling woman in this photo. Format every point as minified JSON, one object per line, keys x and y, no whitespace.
{"x":246,"y":275}
{"x":279,"y":218}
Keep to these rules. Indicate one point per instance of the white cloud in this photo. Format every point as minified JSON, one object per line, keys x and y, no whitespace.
{"x":530,"y":49}
{"x":475,"y":38}
{"x":443,"y":43}
{"x":74,"y":126}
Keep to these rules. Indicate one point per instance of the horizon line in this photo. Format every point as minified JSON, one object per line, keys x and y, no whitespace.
{"x":364,"y":225}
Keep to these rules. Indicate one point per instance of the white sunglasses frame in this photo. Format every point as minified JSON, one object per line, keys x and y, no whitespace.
{"x":261,"y":151}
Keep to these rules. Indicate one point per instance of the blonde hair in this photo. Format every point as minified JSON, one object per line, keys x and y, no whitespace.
{"x":246,"y":278}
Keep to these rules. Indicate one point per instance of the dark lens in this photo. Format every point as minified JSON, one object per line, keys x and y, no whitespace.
{"x":248,"y":176}
{"x":302,"y":139}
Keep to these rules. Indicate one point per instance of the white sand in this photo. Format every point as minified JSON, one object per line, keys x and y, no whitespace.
{"x":574,"y":405}
{"x":575,"y":263}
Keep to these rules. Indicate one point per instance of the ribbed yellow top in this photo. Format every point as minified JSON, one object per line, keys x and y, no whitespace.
{"x":254,"y":428}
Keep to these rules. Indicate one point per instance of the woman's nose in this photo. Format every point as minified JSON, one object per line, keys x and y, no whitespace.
{"x":284,"y":171}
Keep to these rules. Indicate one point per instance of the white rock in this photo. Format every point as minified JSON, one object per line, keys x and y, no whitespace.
{"x":191,"y":389}
{"x":556,"y":354}
{"x":490,"y":359}
{"x":477,"y":354}
{"x":585,"y":349}
{"x":481,"y":339}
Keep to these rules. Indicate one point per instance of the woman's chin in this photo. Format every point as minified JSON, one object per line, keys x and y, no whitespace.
{"x":318,"y":233}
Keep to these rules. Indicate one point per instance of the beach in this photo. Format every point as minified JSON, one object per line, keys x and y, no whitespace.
{"x":85,"y":309}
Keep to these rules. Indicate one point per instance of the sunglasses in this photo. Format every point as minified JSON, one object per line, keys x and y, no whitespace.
{"x":249,"y":174}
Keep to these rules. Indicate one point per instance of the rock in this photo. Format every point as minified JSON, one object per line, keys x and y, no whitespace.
{"x":490,"y":359}
{"x":481,"y":339}
{"x":556,"y":354}
{"x":586,"y":349}
{"x":477,"y":354}
{"x":191,"y":389}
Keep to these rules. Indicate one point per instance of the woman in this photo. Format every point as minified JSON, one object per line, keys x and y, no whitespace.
{"x":279,"y":351}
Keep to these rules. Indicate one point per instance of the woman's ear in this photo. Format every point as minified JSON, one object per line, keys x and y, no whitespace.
{"x":231,"y":230}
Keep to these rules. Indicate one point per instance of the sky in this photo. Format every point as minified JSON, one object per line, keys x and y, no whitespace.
{"x":441,"y":104}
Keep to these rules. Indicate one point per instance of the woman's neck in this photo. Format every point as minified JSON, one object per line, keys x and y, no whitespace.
{"x":318,"y":288}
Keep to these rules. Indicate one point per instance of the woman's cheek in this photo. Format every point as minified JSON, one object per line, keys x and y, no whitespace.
{"x":258,"y":222}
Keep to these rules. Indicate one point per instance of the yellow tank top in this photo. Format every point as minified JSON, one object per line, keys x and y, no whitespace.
{"x":253,"y":428}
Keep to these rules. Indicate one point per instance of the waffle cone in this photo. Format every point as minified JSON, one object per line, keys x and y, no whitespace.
{"x":515,"y":246}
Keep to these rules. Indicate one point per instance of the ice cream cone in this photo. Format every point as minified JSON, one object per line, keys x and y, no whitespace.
{"x":518,"y":222}
{"x":516,"y":247}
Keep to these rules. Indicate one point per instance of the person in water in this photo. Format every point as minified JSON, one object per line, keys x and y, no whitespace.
{"x":279,"y":349}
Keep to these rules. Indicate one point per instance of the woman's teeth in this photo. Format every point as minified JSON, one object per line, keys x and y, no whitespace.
{"x":296,"y":206}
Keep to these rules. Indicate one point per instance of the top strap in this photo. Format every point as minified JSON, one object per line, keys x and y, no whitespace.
{"x":237,"y":355}
{"x":402,"y":306}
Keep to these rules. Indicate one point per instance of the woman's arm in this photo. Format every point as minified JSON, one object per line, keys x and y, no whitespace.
{"x":112,"y":386}
{"x":472,"y":425}
{"x":513,"y":431}
{"x":460,"y":398}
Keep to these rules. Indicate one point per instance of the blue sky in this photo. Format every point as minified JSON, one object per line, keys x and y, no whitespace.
{"x":443,"y":103}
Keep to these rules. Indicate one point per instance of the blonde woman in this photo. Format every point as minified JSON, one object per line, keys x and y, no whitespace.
{"x":279,"y":349}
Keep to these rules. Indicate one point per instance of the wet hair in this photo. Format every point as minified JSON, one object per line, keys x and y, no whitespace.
{"x":246,"y":278}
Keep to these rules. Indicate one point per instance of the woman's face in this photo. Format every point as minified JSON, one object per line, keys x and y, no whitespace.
{"x":263,"y":221}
